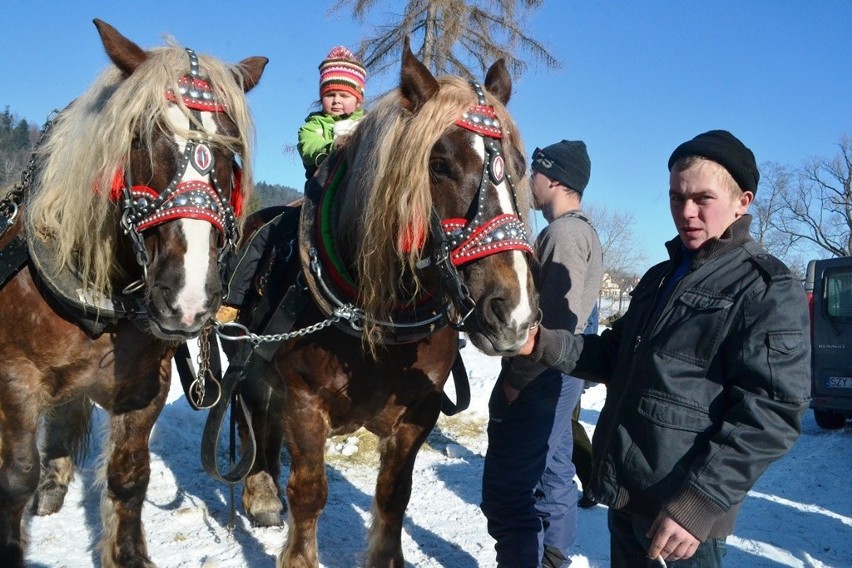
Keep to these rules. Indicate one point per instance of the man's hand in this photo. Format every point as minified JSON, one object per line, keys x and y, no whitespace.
{"x":529,"y":345}
{"x":670,"y":540}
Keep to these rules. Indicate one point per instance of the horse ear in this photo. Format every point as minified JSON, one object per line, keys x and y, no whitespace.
{"x":416,"y":83}
{"x":126,"y":55}
{"x":498,"y":82}
{"x":250,"y":70}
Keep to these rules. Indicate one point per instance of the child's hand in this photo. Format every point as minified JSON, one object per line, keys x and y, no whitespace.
{"x":344,"y":127}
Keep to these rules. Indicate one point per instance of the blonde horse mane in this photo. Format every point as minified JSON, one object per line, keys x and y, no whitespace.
{"x":91,"y":140}
{"x":392,"y":197}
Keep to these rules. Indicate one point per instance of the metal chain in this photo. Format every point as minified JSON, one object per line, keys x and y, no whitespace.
{"x":347,"y":312}
{"x":12,"y":200}
{"x":197,"y":388}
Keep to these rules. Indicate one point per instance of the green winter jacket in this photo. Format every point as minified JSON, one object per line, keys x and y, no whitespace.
{"x":316,"y":137}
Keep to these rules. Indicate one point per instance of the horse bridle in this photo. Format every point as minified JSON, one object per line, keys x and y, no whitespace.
{"x":458,"y":241}
{"x":142,"y":207}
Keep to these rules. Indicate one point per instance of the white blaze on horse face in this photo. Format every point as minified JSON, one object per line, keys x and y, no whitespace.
{"x":192,"y":299}
{"x":523,"y":311}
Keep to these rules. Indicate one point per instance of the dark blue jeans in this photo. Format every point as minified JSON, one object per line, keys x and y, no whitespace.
{"x":528,"y":491}
{"x":629,"y":546}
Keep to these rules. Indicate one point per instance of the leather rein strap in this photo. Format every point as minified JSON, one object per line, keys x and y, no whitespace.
{"x":14,"y":255}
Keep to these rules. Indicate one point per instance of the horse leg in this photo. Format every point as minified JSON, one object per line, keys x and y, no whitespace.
{"x":66,"y":433}
{"x":19,"y":472}
{"x":393,"y":489}
{"x":307,"y":485}
{"x":128,"y":471}
{"x":262,"y":488}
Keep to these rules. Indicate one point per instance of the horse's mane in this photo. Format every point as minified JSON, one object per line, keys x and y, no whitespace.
{"x":391,"y":148}
{"x":91,"y":140}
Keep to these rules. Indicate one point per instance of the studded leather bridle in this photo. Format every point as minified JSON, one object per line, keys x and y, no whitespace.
{"x":459,"y":240}
{"x":144,"y":208}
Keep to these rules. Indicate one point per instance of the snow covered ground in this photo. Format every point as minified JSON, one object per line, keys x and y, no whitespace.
{"x":799,"y":514}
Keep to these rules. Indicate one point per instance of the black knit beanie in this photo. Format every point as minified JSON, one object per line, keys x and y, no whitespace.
{"x":566,"y":162}
{"x":725,"y":149}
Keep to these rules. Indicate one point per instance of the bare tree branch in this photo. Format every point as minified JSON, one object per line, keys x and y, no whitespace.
{"x":622,"y":253}
{"x":808,"y":209}
{"x":454,"y":35}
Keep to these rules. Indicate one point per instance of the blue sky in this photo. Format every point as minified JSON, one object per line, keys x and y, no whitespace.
{"x":637,"y":79}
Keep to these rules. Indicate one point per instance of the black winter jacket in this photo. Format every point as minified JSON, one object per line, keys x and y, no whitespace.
{"x":704,"y":392}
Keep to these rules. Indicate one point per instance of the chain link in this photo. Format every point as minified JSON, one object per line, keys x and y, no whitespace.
{"x":12,"y":200}
{"x":197,"y":388}
{"x":348,"y":312}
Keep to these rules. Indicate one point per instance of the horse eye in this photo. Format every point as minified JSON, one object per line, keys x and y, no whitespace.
{"x":439,"y":167}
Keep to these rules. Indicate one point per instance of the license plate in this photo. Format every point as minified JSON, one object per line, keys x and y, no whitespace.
{"x":839,"y":382}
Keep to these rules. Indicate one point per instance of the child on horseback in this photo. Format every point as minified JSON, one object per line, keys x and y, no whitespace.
{"x":342,"y":81}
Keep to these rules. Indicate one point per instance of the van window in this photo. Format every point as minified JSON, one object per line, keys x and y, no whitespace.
{"x":838,"y":294}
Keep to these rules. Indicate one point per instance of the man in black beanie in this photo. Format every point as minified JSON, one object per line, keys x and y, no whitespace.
{"x":528,"y":491}
{"x":707,"y":372}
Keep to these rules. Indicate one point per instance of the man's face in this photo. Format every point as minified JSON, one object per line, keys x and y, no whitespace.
{"x":542,"y":190}
{"x":701,"y":204}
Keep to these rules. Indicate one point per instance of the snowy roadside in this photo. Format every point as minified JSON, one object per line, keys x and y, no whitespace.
{"x":800,"y":513}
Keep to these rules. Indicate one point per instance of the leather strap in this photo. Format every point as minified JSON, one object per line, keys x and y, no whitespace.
{"x":13,"y":257}
{"x":462,"y":384}
{"x":283,"y":319}
{"x":213,"y":427}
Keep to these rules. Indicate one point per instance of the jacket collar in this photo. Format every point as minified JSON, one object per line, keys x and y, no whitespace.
{"x":736,"y":235}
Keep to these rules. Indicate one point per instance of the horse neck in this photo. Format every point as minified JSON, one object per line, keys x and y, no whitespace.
{"x":347,"y":222}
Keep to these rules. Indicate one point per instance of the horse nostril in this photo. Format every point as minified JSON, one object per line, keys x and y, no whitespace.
{"x":165,"y":299}
{"x":497,"y":308}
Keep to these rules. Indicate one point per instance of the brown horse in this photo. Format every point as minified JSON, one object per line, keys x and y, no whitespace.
{"x":128,"y":204}
{"x":410,"y":230}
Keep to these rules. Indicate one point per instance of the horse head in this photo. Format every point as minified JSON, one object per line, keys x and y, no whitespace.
{"x":448,"y":204}
{"x":163,"y":138}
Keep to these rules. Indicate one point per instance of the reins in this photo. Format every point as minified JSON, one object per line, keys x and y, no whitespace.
{"x":455,"y":242}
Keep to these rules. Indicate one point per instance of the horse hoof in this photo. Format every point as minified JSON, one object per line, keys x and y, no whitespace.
{"x":48,"y":502}
{"x":266,"y":519}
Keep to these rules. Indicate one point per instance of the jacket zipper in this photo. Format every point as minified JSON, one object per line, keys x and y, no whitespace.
{"x":631,"y":371}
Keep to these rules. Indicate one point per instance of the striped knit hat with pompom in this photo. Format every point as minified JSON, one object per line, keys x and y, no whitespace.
{"x":341,"y":71}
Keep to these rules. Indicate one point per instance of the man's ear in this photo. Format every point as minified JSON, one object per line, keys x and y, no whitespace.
{"x":743,"y":202}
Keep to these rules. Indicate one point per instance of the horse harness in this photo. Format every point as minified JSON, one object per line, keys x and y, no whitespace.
{"x":14,"y":255}
{"x":141,"y":208}
{"x":455,"y":242}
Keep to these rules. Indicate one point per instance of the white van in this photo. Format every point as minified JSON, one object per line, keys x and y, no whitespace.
{"x":829,"y":288}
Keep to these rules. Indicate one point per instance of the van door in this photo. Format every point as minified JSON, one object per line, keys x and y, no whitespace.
{"x":829,"y":283}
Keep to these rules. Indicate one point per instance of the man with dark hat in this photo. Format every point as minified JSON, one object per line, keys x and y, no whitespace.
{"x":706,"y":373}
{"x":528,"y":491}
